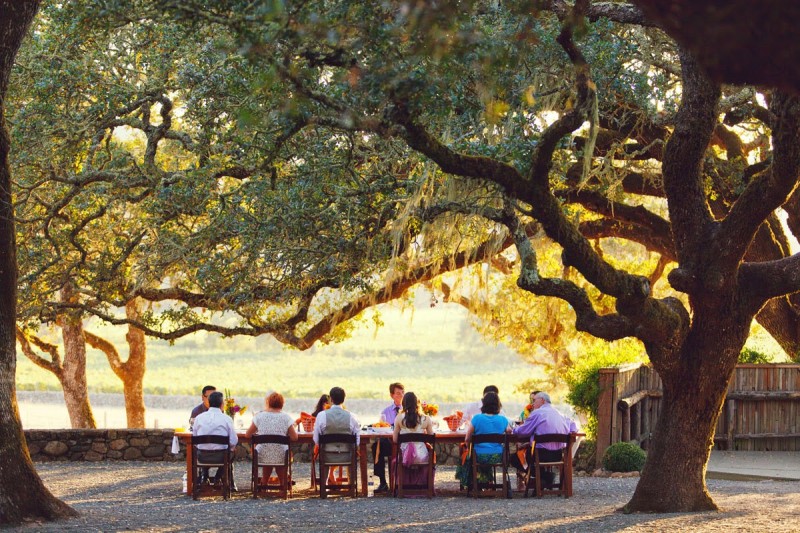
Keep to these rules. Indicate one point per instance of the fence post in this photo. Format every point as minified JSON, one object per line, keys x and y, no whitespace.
{"x":606,"y":411}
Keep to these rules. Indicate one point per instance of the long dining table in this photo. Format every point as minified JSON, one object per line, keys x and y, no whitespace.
{"x":366,"y":437}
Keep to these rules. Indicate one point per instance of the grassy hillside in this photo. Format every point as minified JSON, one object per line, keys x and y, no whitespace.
{"x":433,"y":351}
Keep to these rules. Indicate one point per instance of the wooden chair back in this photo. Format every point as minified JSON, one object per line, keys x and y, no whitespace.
{"x":564,"y":465}
{"x":505,"y":482}
{"x":325,"y":463}
{"x":282,"y":489}
{"x":401,"y":489}
{"x":198,"y":465}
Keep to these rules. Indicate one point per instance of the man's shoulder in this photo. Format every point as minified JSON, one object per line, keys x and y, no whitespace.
{"x":474,"y":406}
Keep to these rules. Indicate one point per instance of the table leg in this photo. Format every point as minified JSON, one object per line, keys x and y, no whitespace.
{"x":362,"y":465}
{"x":189,"y":469}
{"x":392,"y":471}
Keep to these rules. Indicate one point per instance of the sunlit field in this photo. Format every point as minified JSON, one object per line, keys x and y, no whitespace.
{"x":433,"y":351}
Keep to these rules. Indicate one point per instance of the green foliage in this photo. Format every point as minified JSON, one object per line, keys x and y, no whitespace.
{"x":624,"y":457}
{"x":754,"y":357}
{"x":583,"y":379}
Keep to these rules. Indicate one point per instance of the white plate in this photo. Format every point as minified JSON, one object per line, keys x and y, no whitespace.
{"x":384,"y":431}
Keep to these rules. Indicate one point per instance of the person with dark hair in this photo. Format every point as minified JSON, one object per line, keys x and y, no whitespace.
{"x":322,"y":404}
{"x":199,"y":409}
{"x":474,"y":408}
{"x":414,"y":454}
{"x":526,"y":412}
{"x":203,"y":407}
{"x":272,"y":421}
{"x":215,"y":422}
{"x":489,"y":421}
{"x":382,"y":448}
{"x":337,"y":421}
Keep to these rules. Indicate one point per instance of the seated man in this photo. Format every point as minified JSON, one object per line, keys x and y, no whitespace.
{"x":382,"y":449}
{"x":337,"y":421}
{"x":202,"y":407}
{"x":215,"y":422}
{"x":543,"y":419}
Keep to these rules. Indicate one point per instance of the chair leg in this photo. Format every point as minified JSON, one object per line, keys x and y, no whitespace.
{"x":254,"y":478}
{"x":352,"y":474}
{"x":323,"y":480}
{"x":196,"y":484}
{"x":225,"y":482}
{"x":431,"y":467}
{"x":539,"y":487}
{"x":474,"y":470}
{"x":399,"y":479}
{"x":313,"y":472}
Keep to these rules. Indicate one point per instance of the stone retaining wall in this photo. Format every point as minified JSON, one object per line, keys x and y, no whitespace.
{"x":100,"y":445}
{"x":149,"y":445}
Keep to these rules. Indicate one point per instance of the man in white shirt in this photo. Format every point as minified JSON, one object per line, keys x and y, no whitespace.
{"x":215,"y":422}
{"x":336,"y":420}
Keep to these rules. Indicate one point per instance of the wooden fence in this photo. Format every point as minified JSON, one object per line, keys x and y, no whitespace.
{"x":761,"y":409}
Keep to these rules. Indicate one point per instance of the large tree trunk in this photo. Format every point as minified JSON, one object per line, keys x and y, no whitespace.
{"x":673,"y":478}
{"x":73,"y":377}
{"x":23,"y":496}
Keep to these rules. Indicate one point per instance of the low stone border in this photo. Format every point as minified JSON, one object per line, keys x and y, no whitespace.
{"x":100,"y":445}
{"x":150,"y":445}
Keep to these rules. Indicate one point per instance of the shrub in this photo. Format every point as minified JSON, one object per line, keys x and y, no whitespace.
{"x":754,"y":357}
{"x":624,"y":457}
{"x":583,"y":379}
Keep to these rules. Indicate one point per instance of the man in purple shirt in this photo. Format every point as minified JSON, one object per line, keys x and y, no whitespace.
{"x":544,"y":419}
{"x":382,"y":449}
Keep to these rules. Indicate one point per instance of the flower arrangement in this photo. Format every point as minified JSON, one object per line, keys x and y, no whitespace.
{"x":527,"y":411}
{"x":230,"y":407}
{"x":430,"y":409}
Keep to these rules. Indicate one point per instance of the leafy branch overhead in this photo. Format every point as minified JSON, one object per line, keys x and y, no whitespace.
{"x":264,"y":171}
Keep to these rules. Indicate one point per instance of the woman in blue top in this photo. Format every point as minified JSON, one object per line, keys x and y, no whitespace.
{"x":489,"y":421}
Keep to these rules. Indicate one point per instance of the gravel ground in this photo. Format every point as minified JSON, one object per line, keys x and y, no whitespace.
{"x":138,"y":496}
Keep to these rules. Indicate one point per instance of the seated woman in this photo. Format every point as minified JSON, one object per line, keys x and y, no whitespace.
{"x":323,"y":403}
{"x":411,"y":420}
{"x":489,"y":421}
{"x":272,"y":421}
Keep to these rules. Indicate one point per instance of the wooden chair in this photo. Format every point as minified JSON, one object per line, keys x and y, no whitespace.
{"x":564,"y":465}
{"x":340,"y":477}
{"x":401,"y":489}
{"x":505,"y":483}
{"x":326,"y":462}
{"x":284,"y":487}
{"x":198,"y":465}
